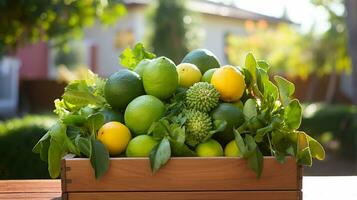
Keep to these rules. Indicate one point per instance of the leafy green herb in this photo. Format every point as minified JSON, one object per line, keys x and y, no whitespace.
{"x":99,"y":157}
{"x":160,"y":154}
{"x":131,"y":57}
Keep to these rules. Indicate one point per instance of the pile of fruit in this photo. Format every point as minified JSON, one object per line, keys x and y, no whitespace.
{"x":158,"y":110}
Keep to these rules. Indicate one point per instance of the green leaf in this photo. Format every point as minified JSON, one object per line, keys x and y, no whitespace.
{"x":270,"y":90}
{"x":264,"y":65}
{"x":94,"y":122}
{"x":240,"y":142}
{"x":160,"y":154}
{"x":250,"y":109}
{"x":42,"y":147}
{"x":260,"y":83}
{"x":158,"y":130}
{"x":56,"y":151}
{"x":129,"y":58}
{"x":317,"y":151}
{"x":181,"y":149}
{"x":255,"y":157}
{"x":293,"y":115}
{"x":303,"y":151}
{"x":79,"y":94}
{"x":286,"y":89}
{"x":178,"y":134}
{"x":251,"y":65}
{"x":84,"y":145}
{"x":99,"y":158}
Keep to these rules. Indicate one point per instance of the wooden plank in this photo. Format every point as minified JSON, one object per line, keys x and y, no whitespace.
{"x":182,"y":174}
{"x":30,"y":186}
{"x":34,"y":196}
{"x":214,"y":195}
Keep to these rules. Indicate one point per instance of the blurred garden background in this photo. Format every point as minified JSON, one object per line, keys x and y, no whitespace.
{"x":45,"y":44}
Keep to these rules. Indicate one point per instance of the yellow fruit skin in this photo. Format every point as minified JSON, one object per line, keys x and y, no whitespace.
{"x":189,"y":74}
{"x":229,"y":82}
{"x":231,"y":149}
{"x":115,"y":136}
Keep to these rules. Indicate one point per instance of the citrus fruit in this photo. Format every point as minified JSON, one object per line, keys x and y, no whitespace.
{"x":111,"y":115}
{"x":122,"y":87}
{"x":140,"y":146}
{"x":229,"y":82}
{"x":141,"y":66}
{"x":210,"y":148}
{"x":115,"y":136}
{"x":142,"y":112}
{"x":202,"y":58}
{"x":207,"y":76}
{"x":231,"y":149}
{"x":160,"y":78}
{"x":188,"y":74}
{"x":234,"y":118}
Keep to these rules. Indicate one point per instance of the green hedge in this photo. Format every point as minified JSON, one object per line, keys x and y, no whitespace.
{"x":17,"y":137}
{"x":338,"y":122}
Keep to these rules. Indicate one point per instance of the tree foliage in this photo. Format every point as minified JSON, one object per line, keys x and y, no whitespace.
{"x":33,"y":20}
{"x":171,"y":29}
{"x":294,"y":53}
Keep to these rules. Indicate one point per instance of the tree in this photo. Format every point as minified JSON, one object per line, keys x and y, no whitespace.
{"x":22,"y":22}
{"x":170,"y":24}
{"x":351,"y":6}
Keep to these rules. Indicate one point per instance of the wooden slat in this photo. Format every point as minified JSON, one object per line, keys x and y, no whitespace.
{"x":30,"y":186}
{"x":182,"y":174}
{"x":226,"y":195}
{"x":32,"y":196}
{"x":30,"y":189}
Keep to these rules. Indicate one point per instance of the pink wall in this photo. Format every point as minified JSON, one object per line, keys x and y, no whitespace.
{"x":33,"y":61}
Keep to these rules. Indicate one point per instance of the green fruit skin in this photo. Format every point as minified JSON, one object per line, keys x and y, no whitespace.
{"x":234,"y":118}
{"x":142,"y":112}
{"x":122,"y":87}
{"x":111,"y":115}
{"x":160,"y":78}
{"x":231,"y":149}
{"x":140,"y":146}
{"x":210,"y":148}
{"x":140,"y":67}
{"x":207,"y":76}
{"x":202,"y":58}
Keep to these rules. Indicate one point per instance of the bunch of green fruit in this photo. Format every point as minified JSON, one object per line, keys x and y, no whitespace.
{"x":156,"y":109}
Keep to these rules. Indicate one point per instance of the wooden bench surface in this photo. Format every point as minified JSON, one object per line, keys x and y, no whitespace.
{"x":30,"y":189}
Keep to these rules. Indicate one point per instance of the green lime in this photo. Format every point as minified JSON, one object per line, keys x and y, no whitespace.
{"x":160,"y":78}
{"x":141,"y":66}
{"x":142,"y":112}
{"x":231,"y":149}
{"x":122,"y":87}
{"x":234,"y":118}
{"x":188,"y":73}
{"x":207,"y":76}
{"x":111,"y":115}
{"x":140,"y":146}
{"x":203,"y":59}
{"x":210,"y":148}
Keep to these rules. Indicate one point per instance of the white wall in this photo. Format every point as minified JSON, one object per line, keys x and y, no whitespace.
{"x":215,"y":28}
{"x":104,"y":39}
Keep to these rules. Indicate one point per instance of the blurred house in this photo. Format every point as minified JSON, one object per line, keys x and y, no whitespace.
{"x":101,"y":46}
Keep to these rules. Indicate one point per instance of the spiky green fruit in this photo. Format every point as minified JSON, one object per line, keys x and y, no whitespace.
{"x":202,"y":96}
{"x":198,"y":126}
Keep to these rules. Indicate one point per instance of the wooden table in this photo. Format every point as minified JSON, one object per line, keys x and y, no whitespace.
{"x":314,"y":187}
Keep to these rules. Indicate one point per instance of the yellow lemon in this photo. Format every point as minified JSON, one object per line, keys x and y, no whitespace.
{"x":115,"y":136}
{"x":229,"y":82}
{"x":189,"y":74}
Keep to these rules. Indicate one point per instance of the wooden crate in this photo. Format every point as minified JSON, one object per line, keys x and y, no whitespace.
{"x":188,"y":178}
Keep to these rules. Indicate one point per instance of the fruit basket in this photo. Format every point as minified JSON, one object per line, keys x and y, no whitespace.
{"x":197,"y":130}
{"x":182,"y":178}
